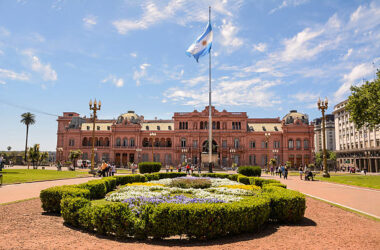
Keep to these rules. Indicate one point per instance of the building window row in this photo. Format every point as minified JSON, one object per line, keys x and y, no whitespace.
{"x":158,"y":142}
{"x":298,"y":145}
{"x":102,"y":142}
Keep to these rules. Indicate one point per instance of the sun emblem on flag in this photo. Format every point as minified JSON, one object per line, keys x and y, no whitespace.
{"x":204,"y":42}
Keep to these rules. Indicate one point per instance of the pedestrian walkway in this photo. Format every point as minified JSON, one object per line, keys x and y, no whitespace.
{"x":15,"y":192}
{"x":364,"y":200}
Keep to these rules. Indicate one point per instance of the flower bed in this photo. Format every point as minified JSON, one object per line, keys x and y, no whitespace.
{"x":160,"y":209}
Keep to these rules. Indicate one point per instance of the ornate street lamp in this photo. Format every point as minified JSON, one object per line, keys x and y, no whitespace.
{"x":275,"y":151}
{"x":152,"y":134}
{"x":322,"y":106}
{"x":94,"y":107}
{"x":232,"y":152}
{"x":267,"y":136}
{"x":138,"y":154}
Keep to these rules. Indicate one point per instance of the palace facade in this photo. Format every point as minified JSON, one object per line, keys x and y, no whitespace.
{"x":236,"y":138}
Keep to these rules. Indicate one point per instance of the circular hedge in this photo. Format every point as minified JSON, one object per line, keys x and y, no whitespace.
{"x":199,"y":220}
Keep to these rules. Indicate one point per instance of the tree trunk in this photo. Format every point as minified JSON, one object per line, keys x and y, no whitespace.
{"x":26,"y":144}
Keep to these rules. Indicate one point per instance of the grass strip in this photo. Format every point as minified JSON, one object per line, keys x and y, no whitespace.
{"x":12,"y":202}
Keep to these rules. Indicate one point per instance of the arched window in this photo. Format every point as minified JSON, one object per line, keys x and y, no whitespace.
{"x":118,"y":142}
{"x":168,"y":142}
{"x":125,"y":142}
{"x":183,"y":142}
{"x":201,"y":125}
{"x":298,"y":144}
{"x":236,"y":143}
{"x":145,"y":142}
{"x":218,"y":125}
{"x":290,"y":144}
{"x":213,"y":125}
{"x":107,"y":142}
{"x":84,"y":142}
{"x":180,"y":125}
{"x":132,"y":142}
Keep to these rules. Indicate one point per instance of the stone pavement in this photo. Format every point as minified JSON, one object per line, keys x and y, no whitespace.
{"x":364,"y":200}
{"x":15,"y":192}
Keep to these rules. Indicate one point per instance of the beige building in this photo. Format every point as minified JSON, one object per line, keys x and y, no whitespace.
{"x":358,"y":148}
{"x":330,"y":134}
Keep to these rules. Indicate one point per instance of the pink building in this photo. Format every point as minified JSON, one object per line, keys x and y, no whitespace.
{"x":236,"y":138}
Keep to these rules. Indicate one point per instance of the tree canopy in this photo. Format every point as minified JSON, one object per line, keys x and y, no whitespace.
{"x":364,"y":103}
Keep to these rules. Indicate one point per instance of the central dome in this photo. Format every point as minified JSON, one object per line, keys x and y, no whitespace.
{"x":294,"y":115}
{"x":130,"y":116}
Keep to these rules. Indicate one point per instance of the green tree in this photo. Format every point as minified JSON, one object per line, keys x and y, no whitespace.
{"x":364,"y":103}
{"x":273,"y":162}
{"x":74,"y":155}
{"x":27,"y":119}
{"x":35,"y":155}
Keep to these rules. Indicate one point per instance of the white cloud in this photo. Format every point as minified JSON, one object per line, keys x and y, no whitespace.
{"x":4,"y":31}
{"x":9,"y":74}
{"x":194,"y":81}
{"x":2,"y":82}
{"x":261,"y":47}
{"x":46,"y":71}
{"x":118,"y":82}
{"x":139,"y":74}
{"x":228,"y":32}
{"x":89,"y":21}
{"x":254,"y":92}
{"x":305,"y":97}
{"x":180,"y":12}
{"x":288,"y":3}
{"x":133,"y":54}
{"x":349,"y":52}
{"x":357,"y":74}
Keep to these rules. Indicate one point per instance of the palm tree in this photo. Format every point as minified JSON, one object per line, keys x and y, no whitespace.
{"x":74,"y":155}
{"x":28,"y":119}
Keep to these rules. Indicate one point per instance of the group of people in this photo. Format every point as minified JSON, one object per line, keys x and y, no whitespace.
{"x":281,"y":170}
{"x":188,"y":168}
{"x":106,"y":169}
{"x":2,"y":162}
{"x":308,"y":173}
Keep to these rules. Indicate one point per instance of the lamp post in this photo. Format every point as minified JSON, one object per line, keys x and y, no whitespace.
{"x":60,"y":152}
{"x":184,"y":151}
{"x":267,"y":136}
{"x":232,"y":151}
{"x":152,"y":134}
{"x":94,"y":107}
{"x":322,"y":106}
{"x":275,"y":151}
{"x":138,"y":154}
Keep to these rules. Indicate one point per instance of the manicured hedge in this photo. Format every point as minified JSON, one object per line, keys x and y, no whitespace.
{"x":250,"y":170}
{"x":70,"y":207}
{"x":216,"y":175}
{"x":125,"y":179}
{"x":233,"y":177}
{"x":243,"y":179}
{"x":51,"y":197}
{"x":164,"y":220}
{"x":158,"y":176}
{"x":286,"y":205}
{"x":98,"y":188}
{"x":149,"y":167}
{"x":260,"y":181}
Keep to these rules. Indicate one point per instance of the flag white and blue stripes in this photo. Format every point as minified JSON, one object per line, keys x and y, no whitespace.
{"x":202,"y":45}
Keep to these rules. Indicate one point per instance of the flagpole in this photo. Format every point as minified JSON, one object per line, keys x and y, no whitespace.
{"x":209,"y":103}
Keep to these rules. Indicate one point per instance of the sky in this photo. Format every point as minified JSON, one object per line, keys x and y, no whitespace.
{"x":268,"y":57}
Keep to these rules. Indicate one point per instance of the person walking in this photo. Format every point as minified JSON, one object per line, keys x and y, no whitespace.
{"x":167,"y":168}
{"x":187,"y":169}
{"x":365,"y":170}
{"x":192,"y":168}
{"x":301,"y":172}
{"x":104,"y":168}
{"x":285,"y":172}
{"x":271,"y":170}
{"x":279,"y":171}
{"x":113,"y":169}
{"x":199,"y":169}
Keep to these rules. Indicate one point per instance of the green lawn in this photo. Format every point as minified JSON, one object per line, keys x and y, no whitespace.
{"x":28,"y":175}
{"x":371,"y":181}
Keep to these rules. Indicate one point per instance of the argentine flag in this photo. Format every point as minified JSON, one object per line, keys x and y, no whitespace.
{"x":202,"y":45}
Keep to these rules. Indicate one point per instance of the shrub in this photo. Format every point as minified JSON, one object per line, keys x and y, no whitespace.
{"x":98,"y":188}
{"x":233,"y":177}
{"x":108,"y":218}
{"x":243,"y":179}
{"x":171,"y":175}
{"x":250,"y":170}
{"x":286,"y":205}
{"x":70,"y":207}
{"x":152,"y":177}
{"x":260,"y":181}
{"x":191,"y":183}
{"x":149,"y":167}
{"x":217,"y":220}
{"x":51,"y":197}
{"x":125,"y":179}
{"x":275,"y":185}
{"x":110,"y":183}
